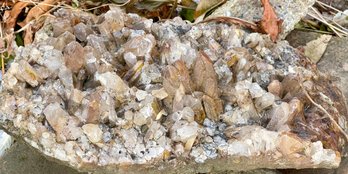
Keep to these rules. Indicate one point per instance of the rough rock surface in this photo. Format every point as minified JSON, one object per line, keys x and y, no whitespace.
{"x":339,"y":4}
{"x":334,"y":61}
{"x":290,"y":11}
{"x":298,"y":38}
{"x":193,"y":99}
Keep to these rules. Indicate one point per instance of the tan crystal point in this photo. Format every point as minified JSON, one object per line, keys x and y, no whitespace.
{"x":74,"y":56}
{"x":290,"y":144}
{"x":56,"y":117}
{"x":140,"y":45}
{"x":93,"y":108}
{"x":160,"y":93}
{"x":177,"y":74}
{"x":93,"y":132}
{"x":213,"y":107}
{"x":204,"y":76}
{"x":25,"y":72}
{"x":279,"y":117}
{"x":112,"y":81}
{"x":275,"y":87}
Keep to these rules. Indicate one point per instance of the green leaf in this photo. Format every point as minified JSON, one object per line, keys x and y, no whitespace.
{"x":118,"y":1}
{"x":7,"y":58}
{"x":323,"y":27}
{"x":187,"y":14}
{"x":19,"y":39}
{"x":75,"y":3}
{"x":152,"y":4}
{"x":206,"y":5}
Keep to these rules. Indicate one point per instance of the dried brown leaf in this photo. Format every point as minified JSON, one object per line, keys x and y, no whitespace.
{"x":38,"y":10}
{"x":206,"y":5}
{"x":205,"y":77}
{"x":11,"y":20}
{"x":270,"y":24}
{"x":7,"y":3}
{"x":8,"y":41}
{"x":315,"y":49}
{"x":28,"y":37}
{"x":30,"y":30}
{"x":2,"y":45}
{"x":189,"y":3}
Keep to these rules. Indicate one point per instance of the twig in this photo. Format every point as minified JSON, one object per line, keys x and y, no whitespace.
{"x":340,"y":26}
{"x":173,"y":8}
{"x":320,"y":18}
{"x":232,"y":20}
{"x":334,"y":22}
{"x":35,"y":19}
{"x":186,"y":7}
{"x":314,"y":30}
{"x":2,"y":64}
{"x":25,"y":26}
{"x":329,"y":25}
{"x":1,"y":54}
{"x":328,"y":6}
{"x":327,"y":113}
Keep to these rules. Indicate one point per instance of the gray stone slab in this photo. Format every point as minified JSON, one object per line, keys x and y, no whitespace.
{"x":298,"y":38}
{"x":335,"y":62}
{"x":5,"y":142}
{"x":22,"y":159}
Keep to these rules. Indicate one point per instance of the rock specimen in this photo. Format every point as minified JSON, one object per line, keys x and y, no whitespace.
{"x":289,"y":11}
{"x":170,"y":96}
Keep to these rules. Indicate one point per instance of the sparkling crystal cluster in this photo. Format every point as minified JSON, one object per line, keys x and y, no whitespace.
{"x":114,"y":91}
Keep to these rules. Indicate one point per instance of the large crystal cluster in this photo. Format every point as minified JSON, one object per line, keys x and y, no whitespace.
{"x":117,"y":89}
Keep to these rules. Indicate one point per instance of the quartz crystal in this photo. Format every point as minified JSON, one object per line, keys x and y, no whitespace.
{"x":119,"y":93}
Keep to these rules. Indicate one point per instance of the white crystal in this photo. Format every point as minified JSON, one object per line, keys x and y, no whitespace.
{"x":130,"y":59}
{"x":5,"y":142}
{"x":256,"y":91}
{"x":93,"y":132}
{"x":112,"y":81}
